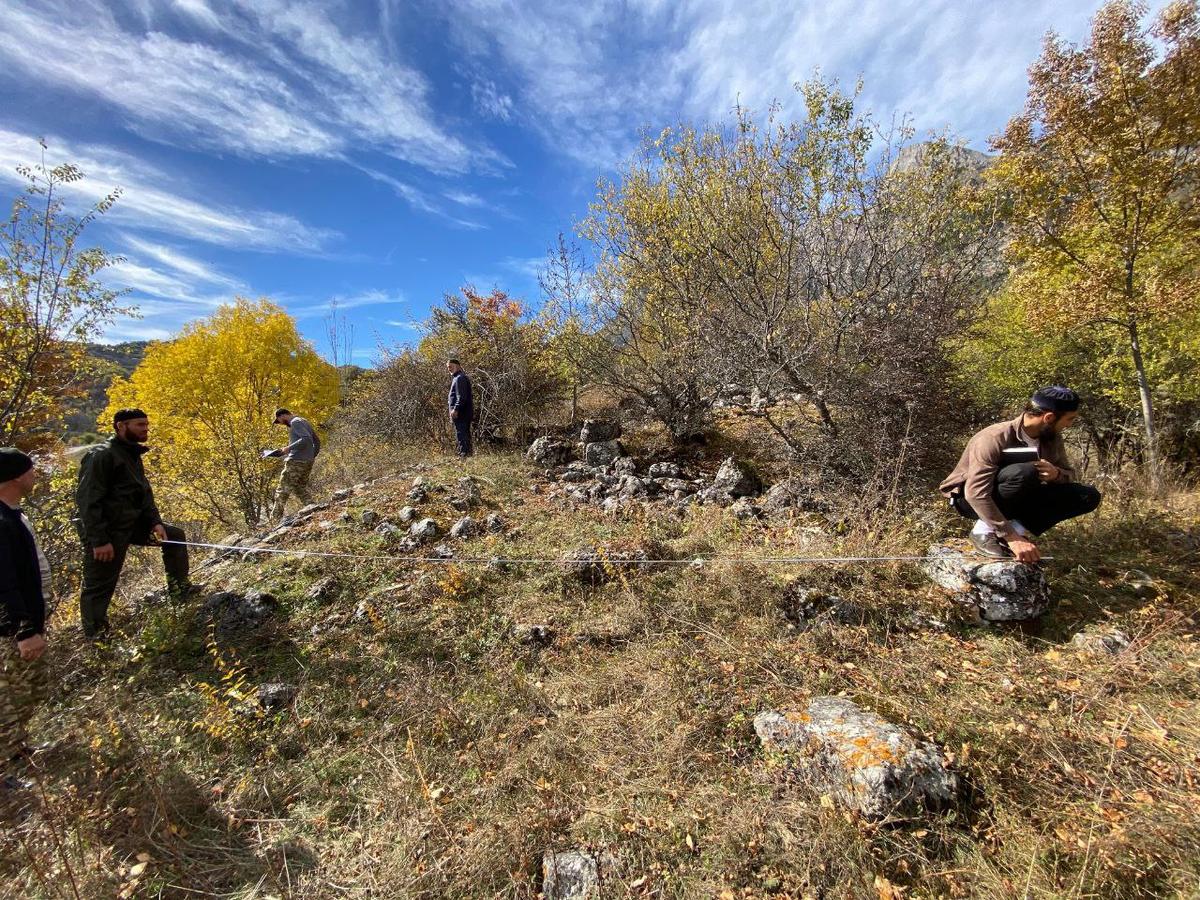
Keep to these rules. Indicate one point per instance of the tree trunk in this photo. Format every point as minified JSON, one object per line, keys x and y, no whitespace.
{"x":1139,"y":365}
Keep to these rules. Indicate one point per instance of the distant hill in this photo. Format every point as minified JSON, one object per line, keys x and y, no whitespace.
{"x":79,"y":423}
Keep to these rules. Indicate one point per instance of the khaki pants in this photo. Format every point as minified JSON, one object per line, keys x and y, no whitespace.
{"x":293,"y":481}
{"x":22,"y":690}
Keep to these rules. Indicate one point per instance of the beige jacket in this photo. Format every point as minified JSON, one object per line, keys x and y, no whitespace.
{"x":975,"y":475}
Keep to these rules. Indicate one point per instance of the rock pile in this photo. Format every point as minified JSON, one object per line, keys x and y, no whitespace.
{"x":863,"y":762}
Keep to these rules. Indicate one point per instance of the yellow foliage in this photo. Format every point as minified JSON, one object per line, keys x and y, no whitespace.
{"x":210,"y":395}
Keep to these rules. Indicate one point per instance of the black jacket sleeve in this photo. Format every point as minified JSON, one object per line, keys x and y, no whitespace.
{"x":22,"y":608}
{"x":95,"y":479}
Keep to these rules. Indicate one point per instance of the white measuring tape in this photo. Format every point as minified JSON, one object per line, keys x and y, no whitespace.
{"x":600,"y":559}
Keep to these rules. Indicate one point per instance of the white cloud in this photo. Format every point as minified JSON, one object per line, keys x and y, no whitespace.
{"x":373,"y":297}
{"x":147,"y":201}
{"x":283,"y":81}
{"x":588,"y":76}
{"x":490,"y":100}
{"x":465,"y":198}
{"x":421,"y":200}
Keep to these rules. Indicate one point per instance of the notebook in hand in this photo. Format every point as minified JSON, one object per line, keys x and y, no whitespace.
{"x":1020,"y":455}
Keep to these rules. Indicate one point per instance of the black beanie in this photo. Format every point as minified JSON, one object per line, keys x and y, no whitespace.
{"x":1056,"y":399}
{"x":124,"y":415}
{"x":13,"y":463}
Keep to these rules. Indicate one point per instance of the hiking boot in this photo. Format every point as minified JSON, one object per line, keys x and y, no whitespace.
{"x":991,"y":545}
{"x":181,"y":592}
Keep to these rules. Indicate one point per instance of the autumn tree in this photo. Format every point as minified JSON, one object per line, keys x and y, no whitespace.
{"x":52,"y":302}
{"x":210,"y":395}
{"x":799,"y":258}
{"x":1103,"y":168}
{"x":568,"y":314}
{"x":507,"y":356}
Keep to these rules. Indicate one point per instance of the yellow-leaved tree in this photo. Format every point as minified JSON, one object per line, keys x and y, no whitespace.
{"x":210,"y":395}
{"x":1102,"y":170}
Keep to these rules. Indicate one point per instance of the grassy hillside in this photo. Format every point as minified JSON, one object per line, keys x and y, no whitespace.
{"x":437,"y":746}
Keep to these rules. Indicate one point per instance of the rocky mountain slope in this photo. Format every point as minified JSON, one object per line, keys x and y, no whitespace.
{"x":504,"y":685}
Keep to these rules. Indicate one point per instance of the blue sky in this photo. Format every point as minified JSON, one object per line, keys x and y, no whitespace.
{"x":383,"y":152}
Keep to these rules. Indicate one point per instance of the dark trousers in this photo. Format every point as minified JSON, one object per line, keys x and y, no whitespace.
{"x":462,"y":435}
{"x":100,"y":578}
{"x":1038,"y":506}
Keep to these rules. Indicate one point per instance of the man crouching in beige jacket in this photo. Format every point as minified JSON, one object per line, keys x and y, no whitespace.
{"x":1015,"y":479}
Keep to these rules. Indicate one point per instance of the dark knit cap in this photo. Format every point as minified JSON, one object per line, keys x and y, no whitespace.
{"x":281,"y":412}
{"x":125,"y":415}
{"x":13,"y":463}
{"x":1056,"y":398}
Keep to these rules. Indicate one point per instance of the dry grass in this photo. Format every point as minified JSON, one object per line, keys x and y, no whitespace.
{"x":432,"y":754}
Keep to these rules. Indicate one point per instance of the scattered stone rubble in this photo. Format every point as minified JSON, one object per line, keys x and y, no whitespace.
{"x":999,"y":590}
{"x":863,"y":762}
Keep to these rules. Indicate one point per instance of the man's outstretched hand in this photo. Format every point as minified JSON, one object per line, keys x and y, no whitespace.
{"x":103,"y":553}
{"x":159,"y":532}
{"x":1023,"y":549}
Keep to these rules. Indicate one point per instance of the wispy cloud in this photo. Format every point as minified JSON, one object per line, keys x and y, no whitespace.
{"x":147,"y":201}
{"x":346,"y":302}
{"x":490,"y":100}
{"x":421,"y":200}
{"x":589,"y":75}
{"x":283,"y":81}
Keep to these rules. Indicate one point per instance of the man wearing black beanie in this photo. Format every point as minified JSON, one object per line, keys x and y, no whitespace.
{"x":24,"y":580}
{"x":1015,"y":480}
{"x":116,"y":510}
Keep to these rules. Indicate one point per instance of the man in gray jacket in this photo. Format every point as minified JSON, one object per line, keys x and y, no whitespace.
{"x":298,"y":457}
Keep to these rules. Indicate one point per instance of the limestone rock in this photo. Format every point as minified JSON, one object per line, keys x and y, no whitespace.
{"x":234,"y":612}
{"x":624,"y":465}
{"x":599,"y":454}
{"x":425,"y":530}
{"x":862,"y":761}
{"x":546,"y":451}
{"x":468,"y":491}
{"x":1002,"y":590}
{"x":276,"y":695}
{"x":463,"y":528}
{"x":369,"y":518}
{"x":595,"y":565}
{"x":575,"y":874}
{"x":599,"y":430}
{"x":1101,"y":642}
{"x":342,"y":494}
{"x":494,"y":523}
{"x":664,"y":470}
{"x":408,"y":515}
{"x":735,"y":480}
{"x":388,"y":531}
{"x":746,"y":510}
